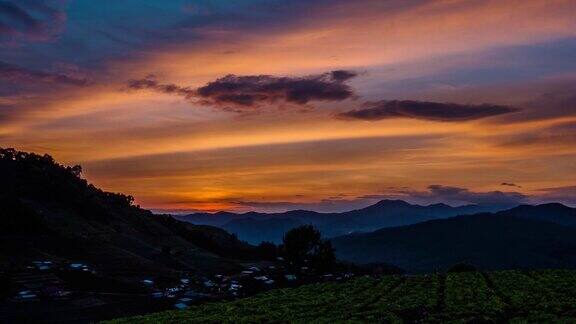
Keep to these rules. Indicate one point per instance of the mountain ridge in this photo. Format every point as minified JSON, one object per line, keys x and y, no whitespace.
{"x":513,"y":238}
{"x":384,"y":213}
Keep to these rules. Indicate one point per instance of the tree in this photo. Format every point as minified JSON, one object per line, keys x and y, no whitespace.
{"x":267,"y":250}
{"x":303,"y":245}
{"x":76,"y":170}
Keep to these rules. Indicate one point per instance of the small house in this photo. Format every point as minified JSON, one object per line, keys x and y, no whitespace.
{"x":180,"y":306}
{"x":148,"y":282}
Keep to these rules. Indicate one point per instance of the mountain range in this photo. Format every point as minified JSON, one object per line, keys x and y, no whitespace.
{"x":542,"y":236}
{"x":256,"y":227}
{"x":49,"y":212}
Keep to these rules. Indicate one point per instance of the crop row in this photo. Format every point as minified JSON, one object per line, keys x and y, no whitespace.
{"x":542,"y":296}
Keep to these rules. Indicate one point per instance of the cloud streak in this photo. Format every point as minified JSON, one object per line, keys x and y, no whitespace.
{"x":455,"y":195}
{"x":445,"y":112}
{"x":481,"y":198}
{"x":16,"y":73}
{"x":510,"y":184}
{"x":151,"y":83}
{"x":560,"y":135}
{"x":254,"y":91}
{"x":566,"y":195}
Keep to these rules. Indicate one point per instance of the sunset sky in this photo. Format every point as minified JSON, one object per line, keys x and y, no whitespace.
{"x":273,"y":105}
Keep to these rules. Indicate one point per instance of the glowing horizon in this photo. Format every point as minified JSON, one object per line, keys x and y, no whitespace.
{"x":278,"y":105}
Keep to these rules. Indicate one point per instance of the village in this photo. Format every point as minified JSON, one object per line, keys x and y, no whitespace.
{"x":40,"y":280}
{"x":192,"y":290}
{"x":67,"y":286}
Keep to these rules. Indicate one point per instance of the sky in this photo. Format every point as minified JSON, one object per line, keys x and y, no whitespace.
{"x":270,"y":105}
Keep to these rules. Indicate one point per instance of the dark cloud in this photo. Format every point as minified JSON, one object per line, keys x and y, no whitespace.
{"x":239,"y":92}
{"x":509,"y":184}
{"x":151,"y":83}
{"x":448,"y":193}
{"x":251,"y":91}
{"x":454,"y":196}
{"x":16,"y":73}
{"x":446,"y":112}
{"x":30,"y":20}
{"x":433,"y":194}
{"x":343,"y":75}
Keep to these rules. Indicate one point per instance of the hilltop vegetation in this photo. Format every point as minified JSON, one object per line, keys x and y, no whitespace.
{"x":506,"y":296}
{"x":49,"y":212}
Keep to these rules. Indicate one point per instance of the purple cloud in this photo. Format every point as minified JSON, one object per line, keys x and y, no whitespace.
{"x":452,"y":195}
{"x":566,"y":195}
{"x":16,"y":73}
{"x":448,"y":193}
{"x":151,"y":83}
{"x":446,"y":112}
{"x":241,"y":92}
{"x":562,"y":134}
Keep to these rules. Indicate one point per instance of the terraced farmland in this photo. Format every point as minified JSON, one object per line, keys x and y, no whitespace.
{"x":504,"y":296}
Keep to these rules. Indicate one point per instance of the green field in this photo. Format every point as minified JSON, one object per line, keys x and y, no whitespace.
{"x":506,"y":296}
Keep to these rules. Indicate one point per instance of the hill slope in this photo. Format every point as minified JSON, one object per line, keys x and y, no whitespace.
{"x":49,"y":212}
{"x":509,"y":239}
{"x":553,"y":212}
{"x":545,"y":296}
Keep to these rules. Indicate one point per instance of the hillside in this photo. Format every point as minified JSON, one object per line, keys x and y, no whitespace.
{"x":552,"y":212}
{"x":507,"y":296}
{"x":255,"y":227}
{"x":517,"y":238}
{"x":48,"y":212}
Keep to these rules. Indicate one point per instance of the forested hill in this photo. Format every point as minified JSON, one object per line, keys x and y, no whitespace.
{"x":542,"y":236}
{"x":49,"y":212}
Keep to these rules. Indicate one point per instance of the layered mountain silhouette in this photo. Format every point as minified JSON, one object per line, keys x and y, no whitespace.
{"x":542,"y":236}
{"x":48,"y":212}
{"x":256,"y":227}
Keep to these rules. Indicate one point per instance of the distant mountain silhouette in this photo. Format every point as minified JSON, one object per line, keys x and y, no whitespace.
{"x":261,"y":230}
{"x":552,"y":212}
{"x":48,"y":212}
{"x":386,"y":213}
{"x":542,"y":236}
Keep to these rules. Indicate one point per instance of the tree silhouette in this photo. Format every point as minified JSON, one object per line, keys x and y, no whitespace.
{"x":303,"y":246}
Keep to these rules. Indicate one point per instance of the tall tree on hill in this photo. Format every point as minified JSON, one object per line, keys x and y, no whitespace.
{"x":303,"y":246}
